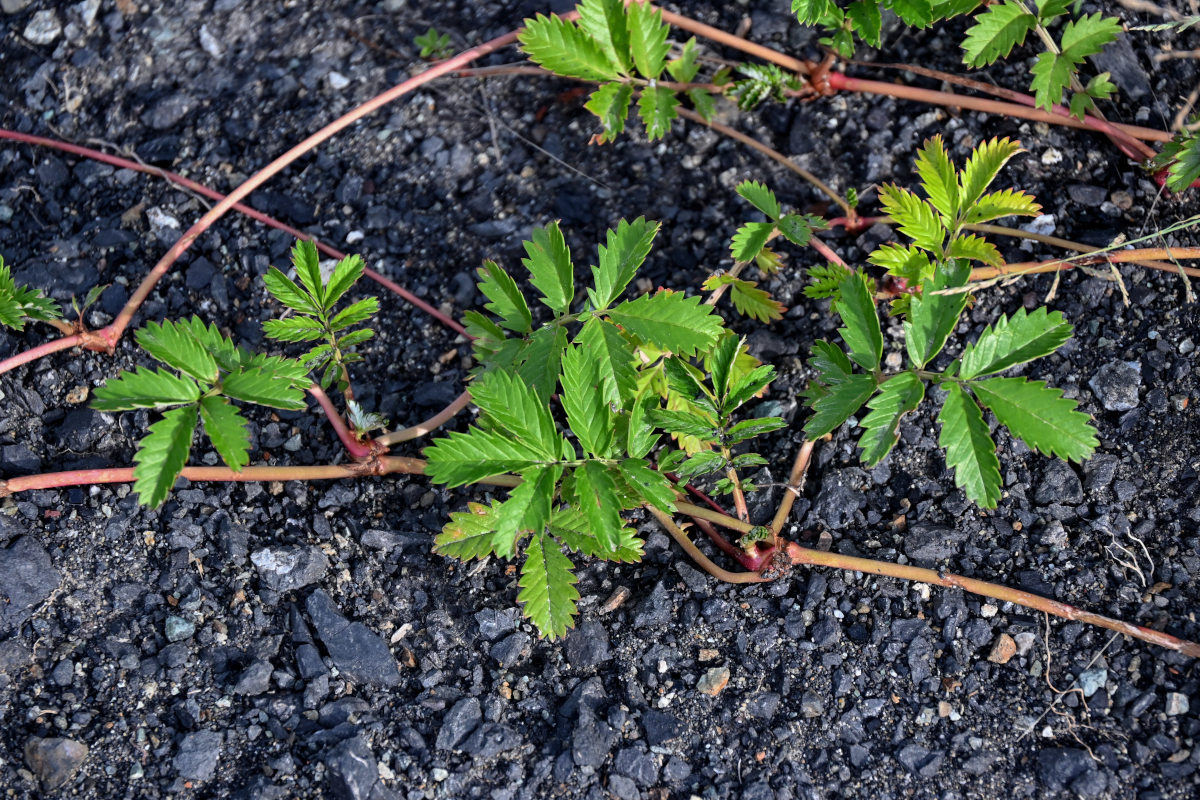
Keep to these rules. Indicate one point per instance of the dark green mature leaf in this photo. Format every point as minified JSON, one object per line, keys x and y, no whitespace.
{"x":824,"y":280}
{"x":749,"y":240}
{"x":145,"y":388}
{"x":640,"y":437}
{"x":897,"y":397}
{"x":748,"y":386}
{"x":604,"y":21}
{"x":227,"y":430}
{"x":464,"y":458}
{"x":572,"y":528}
{"x":682,"y":423}
{"x":657,"y":106}
{"x":513,"y":405}
{"x":613,"y":356}
{"x":550,"y":268}
{"x":860,"y":331}
{"x":868,"y":22}
{"x":548,"y":594}
{"x":748,"y":429}
{"x":588,"y":413}
{"x":467,"y":535}
{"x":1049,"y":9}
{"x":1014,"y":340}
{"x":905,"y":262}
{"x":970,"y":450}
{"x":611,"y":104}
{"x":830,"y":362}
{"x":840,"y":401}
{"x":798,"y":228}
{"x":265,"y":387}
{"x":1004,"y":203}
{"x":294,"y":329}
{"x":561,"y":47}
{"x":227,"y":354}
{"x":527,"y":508}
{"x":355,"y":313}
{"x":307,"y":262}
{"x":597,"y":494}
{"x":1087,"y":35}
{"x":507,"y":302}
{"x":670,"y":321}
{"x":174,"y":346}
{"x":345,"y":274}
{"x":932,"y":316}
{"x":720,"y":364}
{"x":1183,"y":155}
{"x":1051,"y":75}
{"x":162,"y":454}
{"x":702,"y":101}
{"x":916,"y":13}
{"x":626,"y":251}
{"x":1039,"y":415}
{"x":281,"y":368}
{"x":996,"y":32}
{"x":352,"y":338}
{"x":687,"y":382}
{"x":541,"y":359}
{"x":762,"y":198}
{"x":647,"y":39}
{"x":652,"y":485}
{"x":699,"y":464}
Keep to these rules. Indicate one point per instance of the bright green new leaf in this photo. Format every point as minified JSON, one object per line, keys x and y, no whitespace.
{"x":464,"y":458}
{"x":1183,"y":155}
{"x":647,"y":39}
{"x":916,"y":218}
{"x":840,"y":401}
{"x":467,"y":535}
{"x":227,"y":430}
{"x":548,"y":594}
{"x":345,"y":274}
{"x":550,"y":268}
{"x":562,"y":48}
{"x":265,"y":387}
{"x":938,"y":177}
{"x":932,"y":316}
{"x":1014,"y":340}
{"x":352,"y":338}
{"x":541,"y":358}
{"x":996,"y":32}
{"x":1049,"y":9}
{"x":868,"y":22}
{"x":881,"y":427}
{"x":611,"y":104}
{"x":307,"y":262}
{"x":824,"y":279}
{"x":626,"y":251}
{"x":294,"y":329}
{"x":604,"y":21}
{"x":513,"y":405}
{"x":975,"y":248}
{"x":652,"y":485}
{"x":571,"y":527}
{"x":507,"y":302}
{"x":613,"y":356}
{"x":1039,"y":415}
{"x":684,"y":68}
{"x":283,"y":289}
{"x":355,"y":313}
{"x":915,"y":13}
{"x":970,"y":451}
{"x":526,"y":510}
{"x":817,"y":12}
{"x":905,"y":262}
{"x":588,"y":413}
{"x":1004,"y":203}
{"x":750,"y":301}
{"x":762,"y":198}
{"x":948,"y":9}
{"x":145,"y":388}
{"x":657,"y":107}
{"x":19,"y":303}
{"x":162,"y":454}
{"x":174,"y":346}
{"x":670,"y":321}
{"x":860,"y":331}
{"x":597,"y":493}
{"x":281,"y":368}
{"x":750,"y":239}
{"x":981,"y":169}
{"x":229,"y":357}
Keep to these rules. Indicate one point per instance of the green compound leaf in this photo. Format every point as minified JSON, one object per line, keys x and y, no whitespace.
{"x":981,"y":168}
{"x":527,"y":508}
{"x":762,"y":198}
{"x":1087,"y":35}
{"x":307,"y":262}
{"x":550,"y":268}
{"x":507,"y":302}
{"x":281,"y":368}
{"x":748,"y":386}
{"x":145,"y":388}
{"x":657,"y":107}
{"x":720,"y":364}
{"x":562,"y":48}
{"x":868,"y":22}
{"x":702,"y":101}
{"x":174,"y":346}
{"x":975,"y":248}
{"x":265,"y":387}
{"x":932,"y":316}
{"x":747,"y":298}
{"x":227,"y":430}
{"x":467,"y":535}
{"x":1005,"y":203}
{"x":640,"y":435}
{"x":19,"y":303}
{"x":597,"y":494}
{"x":1049,"y":9}
{"x":824,"y":280}
{"x":682,"y":423}
{"x":700,"y":464}
{"x":906,"y":262}
{"x":227,"y":354}
{"x":917,"y":219}
{"x":830,"y":362}
{"x":1014,"y":340}
{"x":996,"y":32}
{"x":1051,"y":75}
{"x":817,"y":12}
{"x":652,"y":485}
{"x":626,"y":251}
{"x":294,"y":329}
{"x":860,"y":331}
{"x":345,"y":274}
{"x":510,"y":403}
{"x":548,"y":594}
{"x":613,"y":356}
{"x":647,"y":40}
{"x":896,"y":397}
{"x":748,"y":429}
{"x":464,"y":458}
{"x":352,"y":338}
{"x":670,"y":321}
{"x":798,"y":228}
{"x":750,"y":239}
{"x":571,"y":527}
{"x":611,"y":104}
{"x":685,"y":68}
{"x":938,"y":177}
{"x":970,"y":450}
{"x":355,"y":313}
{"x":915,"y":13}
{"x":542,"y":357}
{"x":588,"y":413}
{"x":840,"y":401}
{"x":604,"y":21}
{"x":162,"y":454}
{"x":686,"y":381}
{"x":1039,"y":415}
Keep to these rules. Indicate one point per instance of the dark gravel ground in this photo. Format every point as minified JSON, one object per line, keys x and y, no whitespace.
{"x":300,"y":640}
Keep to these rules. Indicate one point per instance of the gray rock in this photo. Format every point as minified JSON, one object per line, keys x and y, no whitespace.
{"x":308,"y":659}
{"x":43,"y":28}
{"x":198,"y":754}
{"x":27,"y":578}
{"x":1059,"y":766}
{"x":387,"y":541}
{"x":919,"y":760}
{"x":1119,"y":60}
{"x":841,"y":495}
{"x":177,"y":628}
{"x":622,"y":788}
{"x":1092,"y":680}
{"x":493,"y":624}
{"x":351,"y":769}
{"x":168,"y":111}
{"x":591,"y":740}
{"x":1060,"y":484}
{"x":587,"y":646}
{"x":1087,"y":195}
{"x":458,"y":723}
{"x":826,"y":631}
{"x":255,"y":679}
{"x":14,"y":6}
{"x":1116,"y":385}
{"x":512,"y":649}
{"x":636,"y":763}
{"x":357,"y":651}
{"x":1177,"y":703}
{"x":926,"y":543}
{"x":811,"y":705}
{"x":54,"y":761}
{"x":285,"y":569}
{"x":490,"y":740}
{"x":655,"y":609}
{"x":660,"y":727}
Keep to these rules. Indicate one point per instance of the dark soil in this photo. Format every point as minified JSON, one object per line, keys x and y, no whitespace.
{"x":176,"y":647}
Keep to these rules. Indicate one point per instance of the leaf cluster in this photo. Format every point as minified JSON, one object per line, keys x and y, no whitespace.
{"x":864,"y":18}
{"x":433,"y":43}
{"x":611,"y":363}
{"x":625,"y":48}
{"x":937,"y":265}
{"x":21,"y":304}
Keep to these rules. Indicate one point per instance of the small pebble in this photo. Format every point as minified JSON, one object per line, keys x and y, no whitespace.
{"x":714,"y":681}
{"x":1177,"y":704}
{"x":1003,"y":650}
{"x":43,"y":28}
{"x":338,"y":81}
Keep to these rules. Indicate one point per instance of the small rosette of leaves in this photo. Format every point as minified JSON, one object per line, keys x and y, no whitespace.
{"x":433,"y":43}
{"x":202,"y":372}
{"x":312,"y":302}
{"x":21,"y":304}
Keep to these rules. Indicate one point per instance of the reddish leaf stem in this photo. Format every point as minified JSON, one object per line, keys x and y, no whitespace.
{"x":355,"y":448}
{"x":428,"y":426}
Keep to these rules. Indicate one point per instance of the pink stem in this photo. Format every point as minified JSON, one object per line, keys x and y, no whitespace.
{"x":354,"y":447}
{"x":34,"y":353}
{"x":428,"y":426}
{"x":826,"y":251}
